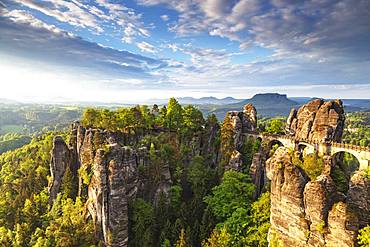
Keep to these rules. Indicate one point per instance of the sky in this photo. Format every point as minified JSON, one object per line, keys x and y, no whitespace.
{"x":132,"y":51}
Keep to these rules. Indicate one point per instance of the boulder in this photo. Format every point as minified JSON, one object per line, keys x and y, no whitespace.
{"x":317,"y":121}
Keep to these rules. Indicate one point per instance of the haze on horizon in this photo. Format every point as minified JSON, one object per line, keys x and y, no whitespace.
{"x":108,"y":51}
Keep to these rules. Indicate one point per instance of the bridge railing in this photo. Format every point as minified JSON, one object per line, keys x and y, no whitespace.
{"x":350,"y":146}
{"x":312,"y":142}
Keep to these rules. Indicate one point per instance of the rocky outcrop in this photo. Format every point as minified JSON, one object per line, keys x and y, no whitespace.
{"x":108,"y":178}
{"x":313,"y":213}
{"x":108,"y":199}
{"x":249,"y":118}
{"x":241,"y":122}
{"x":257,"y":172}
{"x":317,"y":121}
{"x":359,"y":197}
{"x":287,"y":218}
{"x":60,"y":161}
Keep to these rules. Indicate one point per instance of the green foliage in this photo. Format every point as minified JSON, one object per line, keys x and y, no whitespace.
{"x":321,"y":227}
{"x":200,"y":176}
{"x":142,"y":220}
{"x":259,"y":222}
{"x":23,"y":174}
{"x":174,"y":115}
{"x":249,"y":148}
{"x":364,"y":237}
{"x":234,"y":192}
{"x":340,"y":180}
{"x":357,"y":129}
{"x":68,"y":225}
{"x":192,"y":118}
{"x":273,"y":149}
{"x":12,"y":141}
{"x":275,"y":126}
{"x":84,"y":175}
{"x":219,"y":238}
{"x":312,"y":165}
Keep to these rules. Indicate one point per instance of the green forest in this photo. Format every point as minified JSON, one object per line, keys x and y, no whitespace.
{"x":206,"y":206}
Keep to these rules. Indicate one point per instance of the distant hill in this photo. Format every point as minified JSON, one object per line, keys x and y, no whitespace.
{"x":208,"y":100}
{"x":8,"y":101}
{"x":268,"y":104}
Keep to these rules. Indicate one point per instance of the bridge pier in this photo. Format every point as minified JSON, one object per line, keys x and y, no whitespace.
{"x":364,"y":164}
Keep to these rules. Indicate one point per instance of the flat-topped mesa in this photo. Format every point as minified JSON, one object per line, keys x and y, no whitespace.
{"x":317,"y":121}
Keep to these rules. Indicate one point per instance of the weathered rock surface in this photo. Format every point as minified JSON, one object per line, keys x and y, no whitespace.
{"x":313,"y":213}
{"x":317,"y":121}
{"x":287,"y":200}
{"x":241,"y":122}
{"x":115,"y":176}
{"x":342,"y":226}
{"x":359,"y":197}
{"x":61,"y":159}
{"x":108,"y":200}
{"x":257,"y":172}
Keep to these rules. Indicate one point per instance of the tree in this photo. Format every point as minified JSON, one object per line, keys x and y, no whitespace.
{"x":200,"y":176}
{"x":174,"y":114}
{"x":142,"y":220}
{"x":89,"y":117}
{"x":68,"y":225}
{"x":364,"y":237}
{"x":275,"y":126}
{"x":219,"y":238}
{"x":235,"y":191}
{"x":192,"y":118}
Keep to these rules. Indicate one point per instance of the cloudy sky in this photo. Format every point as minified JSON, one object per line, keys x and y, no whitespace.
{"x":129,"y":51}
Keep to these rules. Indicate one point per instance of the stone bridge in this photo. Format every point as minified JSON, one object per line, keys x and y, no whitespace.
{"x":362,"y":154}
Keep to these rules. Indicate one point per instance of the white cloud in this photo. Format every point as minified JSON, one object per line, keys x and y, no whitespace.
{"x":21,"y":16}
{"x":64,"y":11}
{"x":146,"y":47}
{"x":165,"y":17}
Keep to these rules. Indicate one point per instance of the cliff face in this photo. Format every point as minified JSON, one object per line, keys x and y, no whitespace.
{"x":61,"y":160}
{"x":241,"y":122}
{"x":313,"y":213}
{"x":308,"y":212}
{"x":106,"y":172}
{"x":317,"y":121}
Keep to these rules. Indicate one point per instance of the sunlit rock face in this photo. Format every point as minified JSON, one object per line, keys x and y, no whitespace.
{"x":108,"y":200}
{"x":308,"y":212}
{"x":313,"y":213}
{"x":317,"y":121}
{"x":241,"y":122}
{"x":111,"y":178}
{"x":60,"y":160}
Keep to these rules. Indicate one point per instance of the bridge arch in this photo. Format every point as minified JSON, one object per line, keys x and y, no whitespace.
{"x":273,"y":145}
{"x":305,"y":148}
{"x":344,"y":165}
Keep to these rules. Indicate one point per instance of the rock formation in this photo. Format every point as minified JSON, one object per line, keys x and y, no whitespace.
{"x":308,"y":212}
{"x":312,"y":213}
{"x":108,"y":199}
{"x":241,"y":122}
{"x":107,"y":174}
{"x":60,"y":161}
{"x":317,"y":121}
